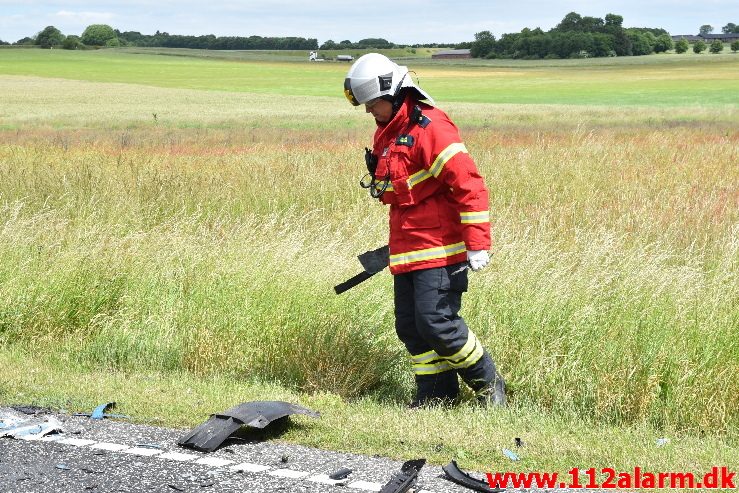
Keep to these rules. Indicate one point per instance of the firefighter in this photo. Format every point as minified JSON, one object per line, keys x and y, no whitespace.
{"x":439,"y":227}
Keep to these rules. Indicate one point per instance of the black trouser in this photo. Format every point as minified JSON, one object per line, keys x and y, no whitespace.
{"x":427,"y":303}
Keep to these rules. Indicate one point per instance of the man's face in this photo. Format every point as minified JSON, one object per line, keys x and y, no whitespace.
{"x":382,"y":110}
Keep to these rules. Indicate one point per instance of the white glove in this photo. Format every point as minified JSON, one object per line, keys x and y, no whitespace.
{"x":478,"y":259}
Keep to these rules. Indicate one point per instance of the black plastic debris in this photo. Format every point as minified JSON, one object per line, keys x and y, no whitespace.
{"x":32,"y":410}
{"x":406,"y":479}
{"x":342,"y":473}
{"x":257,"y":414}
{"x":456,"y":475}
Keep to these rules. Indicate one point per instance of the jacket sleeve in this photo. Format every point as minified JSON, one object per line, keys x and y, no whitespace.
{"x":449,"y":162}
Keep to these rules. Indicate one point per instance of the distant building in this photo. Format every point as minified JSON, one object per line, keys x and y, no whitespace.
{"x":452,"y":54}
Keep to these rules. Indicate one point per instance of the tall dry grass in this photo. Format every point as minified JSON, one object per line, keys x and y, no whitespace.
{"x":612,"y":295}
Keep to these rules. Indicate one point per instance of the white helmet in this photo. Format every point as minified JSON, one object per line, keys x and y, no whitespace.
{"x":374,"y":75}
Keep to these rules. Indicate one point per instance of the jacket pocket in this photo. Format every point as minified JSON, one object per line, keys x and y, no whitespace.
{"x":424,"y":215}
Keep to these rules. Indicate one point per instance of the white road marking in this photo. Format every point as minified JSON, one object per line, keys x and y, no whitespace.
{"x":213,"y":461}
{"x":77,"y":442}
{"x":288,"y":473}
{"x":142,"y":451}
{"x":177,"y":456}
{"x":248,"y":467}
{"x":113,"y":447}
{"x":324,"y":479}
{"x":365,"y":485}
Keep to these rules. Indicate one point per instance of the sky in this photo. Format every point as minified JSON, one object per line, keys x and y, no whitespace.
{"x":406,"y":22}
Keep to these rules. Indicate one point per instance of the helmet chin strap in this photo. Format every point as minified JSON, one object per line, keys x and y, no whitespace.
{"x":399,"y":95}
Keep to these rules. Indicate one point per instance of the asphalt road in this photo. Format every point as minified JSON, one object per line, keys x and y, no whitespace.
{"x":117,"y":456}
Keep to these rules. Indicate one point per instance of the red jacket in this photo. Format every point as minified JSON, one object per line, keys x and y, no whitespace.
{"x":438,"y":200}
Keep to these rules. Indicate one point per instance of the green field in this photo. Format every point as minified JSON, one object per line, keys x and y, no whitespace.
{"x":672,"y":80}
{"x":173,"y":226}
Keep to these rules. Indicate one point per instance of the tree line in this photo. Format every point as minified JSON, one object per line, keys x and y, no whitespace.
{"x":96,"y":35}
{"x":575,"y":36}
{"x":579,"y":36}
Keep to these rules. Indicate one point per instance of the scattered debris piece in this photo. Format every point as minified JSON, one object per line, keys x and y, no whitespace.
{"x":257,"y":414}
{"x":519,"y":443}
{"x":456,"y":475}
{"x":405,"y":479}
{"x":342,"y":473}
{"x":284,"y":459}
{"x":63,"y":467}
{"x":29,"y":429}
{"x":511,"y":455}
{"x":99,"y":412}
{"x":661,"y":442}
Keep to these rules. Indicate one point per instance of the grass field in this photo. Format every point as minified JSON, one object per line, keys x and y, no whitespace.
{"x":172,"y":228}
{"x":670,"y":80}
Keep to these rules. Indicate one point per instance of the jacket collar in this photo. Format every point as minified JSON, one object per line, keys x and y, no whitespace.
{"x":399,"y":121}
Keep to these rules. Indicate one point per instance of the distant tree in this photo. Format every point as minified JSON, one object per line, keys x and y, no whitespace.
{"x":640,"y":44}
{"x":705,"y":29}
{"x":570,"y":22}
{"x":730,"y":28}
{"x":49,"y":37}
{"x":71,"y":42}
{"x":25,"y":41}
{"x":717,"y":46}
{"x":735,"y":46}
{"x":681,"y":46}
{"x":483,"y":44}
{"x":613,"y":20}
{"x":378,"y":43}
{"x":4,"y":43}
{"x":663,"y":43}
{"x":699,"y":46}
{"x":329,"y":44}
{"x":97,"y":34}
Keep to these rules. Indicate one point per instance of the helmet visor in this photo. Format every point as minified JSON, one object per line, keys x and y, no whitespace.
{"x":348,"y":92}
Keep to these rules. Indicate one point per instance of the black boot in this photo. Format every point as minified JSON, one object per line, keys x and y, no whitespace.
{"x":492,"y":394}
{"x":441,"y":389}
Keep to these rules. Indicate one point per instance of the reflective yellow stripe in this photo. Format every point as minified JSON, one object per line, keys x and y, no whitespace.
{"x":470,"y":353}
{"x":425,"y":357}
{"x":427,"y":254}
{"x":444,"y":156}
{"x":380,"y":184}
{"x":418,"y":177}
{"x":431,"y":369}
{"x":475,"y":217}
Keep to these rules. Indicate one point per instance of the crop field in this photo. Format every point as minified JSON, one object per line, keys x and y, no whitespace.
{"x":175,"y":225}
